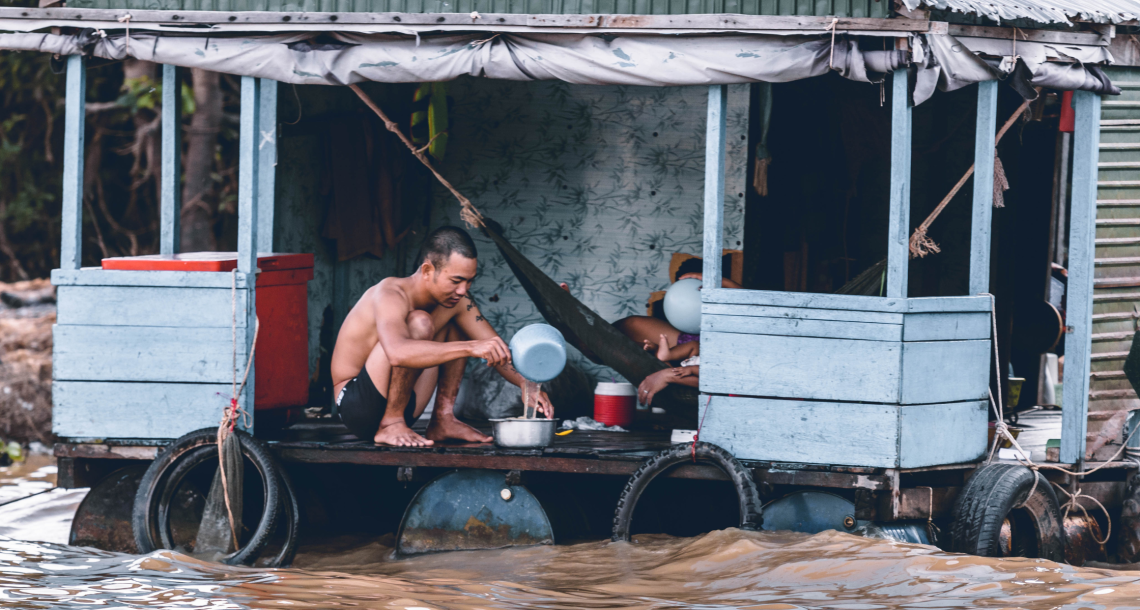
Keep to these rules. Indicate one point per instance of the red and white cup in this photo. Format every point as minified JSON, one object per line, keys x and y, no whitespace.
{"x":615,"y":403}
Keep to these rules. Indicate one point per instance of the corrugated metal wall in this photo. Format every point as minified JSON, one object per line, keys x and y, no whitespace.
{"x":1116,"y":297}
{"x":839,"y":8}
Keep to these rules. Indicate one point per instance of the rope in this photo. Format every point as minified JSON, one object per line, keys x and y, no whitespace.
{"x":700,"y":426}
{"x":467,"y":212}
{"x":233,"y":413}
{"x":1073,"y":502}
{"x":831,"y":56}
{"x":920,"y":244}
{"x":1001,"y":431}
{"x":127,"y":20}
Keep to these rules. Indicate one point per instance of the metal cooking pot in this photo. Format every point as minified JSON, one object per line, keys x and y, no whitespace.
{"x":523,"y":432}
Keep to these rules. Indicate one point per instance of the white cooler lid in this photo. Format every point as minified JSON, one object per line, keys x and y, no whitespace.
{"x":606,"y":388}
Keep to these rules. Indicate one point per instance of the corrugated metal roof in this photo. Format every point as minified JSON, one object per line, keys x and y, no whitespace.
{"x":822,"y":8}
{"x":1043,"y":11}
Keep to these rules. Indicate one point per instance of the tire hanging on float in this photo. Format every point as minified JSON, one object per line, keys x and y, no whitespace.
{"x":1008,"y":510}
{"x":151,"y":518}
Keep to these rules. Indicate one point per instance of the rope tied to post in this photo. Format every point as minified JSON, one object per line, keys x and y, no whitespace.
{"x":831,"y":55}
{"x":127,"y":20}
{"x":233,"y":413}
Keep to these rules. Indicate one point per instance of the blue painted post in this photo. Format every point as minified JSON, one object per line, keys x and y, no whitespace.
{"x":71,"y":225}
{"x":1082,"y":252}
{"x":714,"y":184}
{"x":248,"y":182}
{"x":171,"y":188}
{"x":898,"y":231}
{"x":267,"y":163}
{"x":983,"y":187}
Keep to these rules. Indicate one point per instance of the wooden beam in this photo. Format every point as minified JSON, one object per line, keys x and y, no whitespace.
{"x":267,"y":164}
{"x":898,"y":230}
{"x":171,"y":189}
{"x":1029,"y":35}
{"x":248,"y":183}
{"x":486,"y":21}
{"x":714,"y":184}
{"x":71,"y":225}
{"x":983,"y":187}
{"x":1082,"y":244}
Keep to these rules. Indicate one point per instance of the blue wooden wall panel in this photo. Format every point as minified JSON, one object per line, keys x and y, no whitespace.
{"x":88,"y":409}
{"x":149,"y":306}
{"x":866,"y":331}
{"x":944,"y":371}
{"x":801,"y":367}
{"x":144,"y":353}
{"x":94,"y":276}
{"x":802,"y":431}
{"x":934,"y":435}
{"x":800,"y":313}
{"x":946,"y":326}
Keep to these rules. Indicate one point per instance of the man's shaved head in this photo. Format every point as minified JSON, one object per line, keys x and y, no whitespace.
{"x":444,"y":241}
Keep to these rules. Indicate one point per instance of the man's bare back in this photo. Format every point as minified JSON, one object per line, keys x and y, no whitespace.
{"x":409,"y":337}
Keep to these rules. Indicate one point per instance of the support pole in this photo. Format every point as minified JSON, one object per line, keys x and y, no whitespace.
{"x":267,"y":163}
{"x":171,"y":188}
{"x":983,"y":187}
{"x":71,"y":225}
{"x":714,"y":185}
{"x":1082,"y":253}
{"x":248,"y":182}
{"x":898,"y":231}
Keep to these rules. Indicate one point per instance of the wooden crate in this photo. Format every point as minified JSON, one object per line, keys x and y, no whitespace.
{"x":143,"y":354}
{"x":839,"y":379}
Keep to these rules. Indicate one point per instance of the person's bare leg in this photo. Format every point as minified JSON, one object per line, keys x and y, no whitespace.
{"x":393,"y":429}
{"x":645,"y":328}
{"x":444,"y":425}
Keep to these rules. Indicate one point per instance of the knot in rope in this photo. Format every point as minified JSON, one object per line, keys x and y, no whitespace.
{"x":1073,"y":497}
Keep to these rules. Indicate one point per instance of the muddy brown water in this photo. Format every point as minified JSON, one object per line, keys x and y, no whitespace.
{"x":723,"y":569}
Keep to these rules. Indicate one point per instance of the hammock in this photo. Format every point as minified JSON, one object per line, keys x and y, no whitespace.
{"x":586,"y":330}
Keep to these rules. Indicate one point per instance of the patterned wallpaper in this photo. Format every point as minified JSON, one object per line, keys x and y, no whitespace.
{"x":599,"y":186}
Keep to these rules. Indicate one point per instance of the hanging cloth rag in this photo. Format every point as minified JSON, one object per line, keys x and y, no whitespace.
{"x":430,"y":118}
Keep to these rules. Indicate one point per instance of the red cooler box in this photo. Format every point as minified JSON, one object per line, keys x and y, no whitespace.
{"x":282,"y":357}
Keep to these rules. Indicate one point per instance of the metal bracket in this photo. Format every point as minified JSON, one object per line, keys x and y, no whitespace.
{"x":405,"y":474}
{"x":514,"y":477}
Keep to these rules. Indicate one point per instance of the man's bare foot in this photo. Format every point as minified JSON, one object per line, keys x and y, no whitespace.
{"x":398,"y":434}
{"x":445,"y":427}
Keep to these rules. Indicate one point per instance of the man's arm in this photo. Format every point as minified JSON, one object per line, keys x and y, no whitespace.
{"x":472,"y":322}
{"x":391,"y":313}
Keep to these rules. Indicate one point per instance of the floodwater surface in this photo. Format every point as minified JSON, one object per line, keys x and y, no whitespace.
{"x":723,"y":569}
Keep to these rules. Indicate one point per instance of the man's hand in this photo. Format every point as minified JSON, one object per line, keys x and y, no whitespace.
{"x":542,"y":403}
{"x":493,"y":350}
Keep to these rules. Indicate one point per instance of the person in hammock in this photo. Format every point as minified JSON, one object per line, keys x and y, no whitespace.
{"x":409,"y":337}
{"x":661,"y":337}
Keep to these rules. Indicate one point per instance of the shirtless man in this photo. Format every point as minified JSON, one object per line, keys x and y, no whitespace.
{"x":407,"y":337}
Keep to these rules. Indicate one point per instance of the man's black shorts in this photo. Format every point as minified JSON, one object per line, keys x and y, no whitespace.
{"x":361,"y":406}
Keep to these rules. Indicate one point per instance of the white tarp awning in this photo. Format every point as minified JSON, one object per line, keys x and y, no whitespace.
{"x":337,"y":58}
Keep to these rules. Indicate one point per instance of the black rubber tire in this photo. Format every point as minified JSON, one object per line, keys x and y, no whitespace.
{"x":290,"y":521}
{"x":149,"y":513}
{"x":999,"y":491}
{"x":751,"y":512}
{"x":288,"y":517}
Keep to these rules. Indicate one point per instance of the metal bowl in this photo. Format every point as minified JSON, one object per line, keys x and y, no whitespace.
{"x":523,"y":432}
